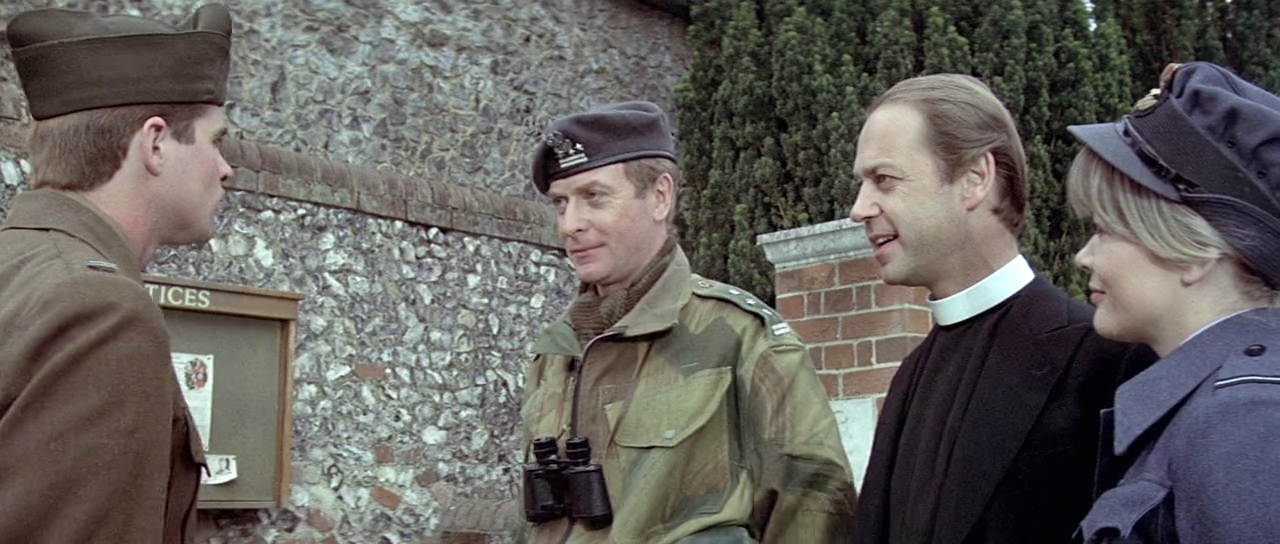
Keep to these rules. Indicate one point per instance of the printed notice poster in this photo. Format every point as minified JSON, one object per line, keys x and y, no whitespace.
{"x":195,"y":375}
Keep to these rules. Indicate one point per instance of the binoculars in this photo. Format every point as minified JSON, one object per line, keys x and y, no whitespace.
{"x":574,"y":486}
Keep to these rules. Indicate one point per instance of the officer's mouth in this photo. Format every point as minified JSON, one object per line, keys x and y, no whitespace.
{"x":580,"y":252}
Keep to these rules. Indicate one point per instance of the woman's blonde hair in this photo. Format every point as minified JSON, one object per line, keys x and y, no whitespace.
{"x":1171,"y":231}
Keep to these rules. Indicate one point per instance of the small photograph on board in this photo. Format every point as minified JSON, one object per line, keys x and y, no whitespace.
{"x":222,"y":469}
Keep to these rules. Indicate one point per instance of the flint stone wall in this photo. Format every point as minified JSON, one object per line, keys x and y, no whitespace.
{"x":449,"y":90}
{"x":382,"y":153}
{"x":408,"y":377}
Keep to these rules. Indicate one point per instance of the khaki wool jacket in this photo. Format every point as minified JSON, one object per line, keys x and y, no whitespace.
{"x":728,"y":431}
{"x":96,"y":442}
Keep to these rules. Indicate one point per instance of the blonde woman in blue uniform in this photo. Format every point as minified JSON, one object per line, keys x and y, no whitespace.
{"x":1184,"y":194}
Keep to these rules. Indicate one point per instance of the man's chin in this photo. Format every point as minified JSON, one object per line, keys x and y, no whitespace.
{"x":590,"y":279}
{"x":896,"y":275}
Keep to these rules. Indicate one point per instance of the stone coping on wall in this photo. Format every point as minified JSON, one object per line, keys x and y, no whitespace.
{"x":272,"y":170}
{"x":829,"y":242}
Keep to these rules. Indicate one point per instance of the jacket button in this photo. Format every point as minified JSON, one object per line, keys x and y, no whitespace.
{"x":1255,"y":350}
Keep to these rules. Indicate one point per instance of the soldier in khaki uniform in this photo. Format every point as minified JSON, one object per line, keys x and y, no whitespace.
{"x":698,"y":402}
{"x":96,"y":442}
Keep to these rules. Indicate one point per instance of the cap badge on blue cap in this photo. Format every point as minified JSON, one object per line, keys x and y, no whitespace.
{"x":1147,"y":102}
{"x":568,"y":152}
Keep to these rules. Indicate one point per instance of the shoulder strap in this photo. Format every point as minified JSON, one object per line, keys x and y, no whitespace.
{"x":706,"y":288}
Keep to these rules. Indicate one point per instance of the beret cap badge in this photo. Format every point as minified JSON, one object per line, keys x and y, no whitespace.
{"x":568,"y":152}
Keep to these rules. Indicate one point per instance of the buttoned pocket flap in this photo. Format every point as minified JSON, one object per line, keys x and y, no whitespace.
{"x":666,"y":417}
{"x":1117,"y":511}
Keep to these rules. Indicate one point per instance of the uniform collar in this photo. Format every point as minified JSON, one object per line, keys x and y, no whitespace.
{"x":1142,"y":401}
{"x":985,"y":294}
{"x":73,"y":214}
{"x":658,"y":310}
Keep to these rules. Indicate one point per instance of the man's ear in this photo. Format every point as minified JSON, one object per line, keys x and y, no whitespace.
{"x":152,"y":144}
{"x":978,"y":180}
{"x":663,"y":192}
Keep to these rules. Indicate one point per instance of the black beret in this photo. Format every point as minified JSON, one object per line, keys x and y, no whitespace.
{"x":599,"y":137}
{"x":70,"y":61}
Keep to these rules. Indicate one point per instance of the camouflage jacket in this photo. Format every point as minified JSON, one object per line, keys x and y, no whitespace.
{"x":728,"y":430}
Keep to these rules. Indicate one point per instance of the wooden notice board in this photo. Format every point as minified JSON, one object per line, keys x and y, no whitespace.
{"x":241,"y":337}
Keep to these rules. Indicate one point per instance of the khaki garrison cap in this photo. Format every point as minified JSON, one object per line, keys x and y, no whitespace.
{"x":70,"y":61}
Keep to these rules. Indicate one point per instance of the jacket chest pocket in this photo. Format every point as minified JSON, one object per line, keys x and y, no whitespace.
{"x":1138,"y":511}
{"x":665,"y":418}
{"x":675,"y":439}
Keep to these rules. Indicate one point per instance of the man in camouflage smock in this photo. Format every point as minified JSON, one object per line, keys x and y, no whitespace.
{"x":700,"y":404}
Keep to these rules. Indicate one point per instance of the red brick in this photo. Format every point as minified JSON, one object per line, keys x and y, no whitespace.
{"x":919,"y":321}
{"x":862,"y":297}
{"x":891,"y":350}
{"x":858,"y":270}
{"x":813,"y":303}
{"x":815,"y":355}
{"x":384,"y":454}
{"x":838,"y":356}
{"x":837,"y":301}
{"x":791,"y":306}
{"x":865,"y":353}
{"x":320,"y":521}
{"x":386,"y":498}
{"x":897,"y":295}
{"x":821,"y":329}
{"x":832,"y":384}
{"x":871,"y":381}
{"x":885,"y":323}
{"x":809,"y":278}
{"x":367,"y":371}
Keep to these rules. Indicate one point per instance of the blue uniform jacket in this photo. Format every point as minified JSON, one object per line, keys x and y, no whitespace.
{"x":1200,"y":434}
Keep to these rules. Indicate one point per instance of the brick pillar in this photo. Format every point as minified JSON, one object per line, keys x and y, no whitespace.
{"x":858,"y":329}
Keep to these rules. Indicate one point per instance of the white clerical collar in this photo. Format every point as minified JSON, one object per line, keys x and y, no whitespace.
{"x":984,"y":295}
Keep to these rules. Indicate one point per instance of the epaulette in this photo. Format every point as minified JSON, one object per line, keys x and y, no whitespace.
{"x":102,"y":266}
{"x":713,"y":289}
{"x":1252,"y":365}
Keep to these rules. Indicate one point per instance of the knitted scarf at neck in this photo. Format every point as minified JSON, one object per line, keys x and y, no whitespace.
{"x":592,"y":314}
